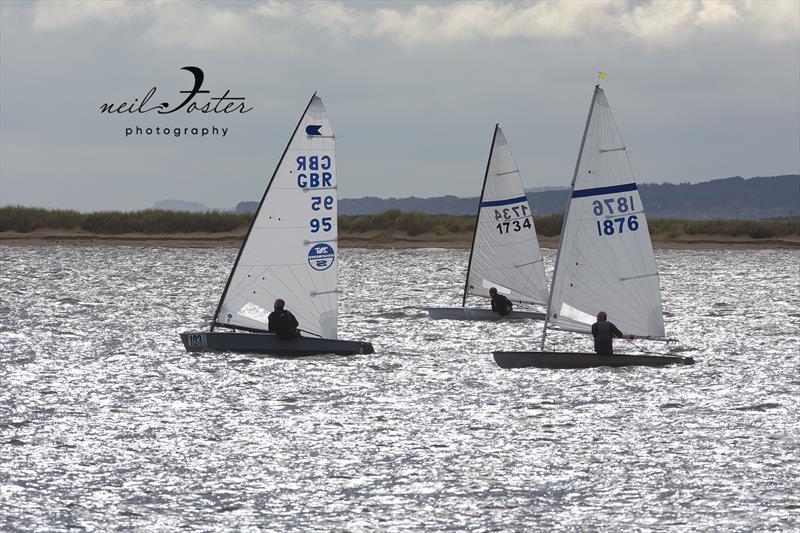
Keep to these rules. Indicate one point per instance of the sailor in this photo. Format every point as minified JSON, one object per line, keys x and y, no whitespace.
{"x":500,"y":304}
{"x":282,"y":322}
{"x":604,"y":332}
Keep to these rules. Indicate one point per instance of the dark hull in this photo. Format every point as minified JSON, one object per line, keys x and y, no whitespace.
{"x":583,"y":360}
{"x":466,"y":313}
{"x":263,"y":343}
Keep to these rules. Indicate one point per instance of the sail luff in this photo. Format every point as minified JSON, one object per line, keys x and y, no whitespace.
{"x":478,"y":215}
{"x":566,"y":213}
{"x":258,"y":210}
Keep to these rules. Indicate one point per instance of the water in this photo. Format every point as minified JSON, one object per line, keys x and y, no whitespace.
{"x":106,"y":423}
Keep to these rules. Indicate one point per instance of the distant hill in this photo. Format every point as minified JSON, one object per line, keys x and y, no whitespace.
{"x":181,"y":205}
{"x":727,"y":198}
{"x":246,"y":207}
{"x":762,"y":197}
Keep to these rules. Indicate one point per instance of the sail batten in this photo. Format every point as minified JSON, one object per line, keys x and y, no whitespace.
{"x":290,"y":250}
{"x":505,"y":251}
{"x":605,"y":260}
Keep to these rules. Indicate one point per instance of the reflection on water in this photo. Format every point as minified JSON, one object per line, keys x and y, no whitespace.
{"x":105,"y":421}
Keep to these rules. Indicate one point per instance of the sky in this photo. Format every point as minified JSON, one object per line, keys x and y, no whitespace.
{"x":700,"y":90}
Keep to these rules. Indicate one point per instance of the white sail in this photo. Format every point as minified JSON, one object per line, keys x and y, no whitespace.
{"x":505,"y":252}
{"x":291,"y":249}
{"x":605,"y":260}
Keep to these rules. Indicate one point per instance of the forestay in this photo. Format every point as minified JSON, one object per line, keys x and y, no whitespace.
{"x":605,"y":260}
{"x":291,"y":249}
{"x":505,"y":252}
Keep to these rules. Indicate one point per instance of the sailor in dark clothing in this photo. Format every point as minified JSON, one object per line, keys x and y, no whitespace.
{"x":604,"y":332}
{"x":500,"y":304}
{"x":282,"y":323}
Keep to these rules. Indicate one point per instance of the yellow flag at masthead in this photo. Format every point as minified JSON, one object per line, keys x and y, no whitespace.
{"x":601,"y":75}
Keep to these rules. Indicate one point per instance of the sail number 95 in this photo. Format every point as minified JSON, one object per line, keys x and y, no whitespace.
{"x":319,"y":202}
{"x":323,"y":224}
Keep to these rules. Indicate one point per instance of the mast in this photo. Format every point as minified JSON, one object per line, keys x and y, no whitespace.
{"x":478,"y":216}
{"x":255,"y":216}
{"x":566,"y":213}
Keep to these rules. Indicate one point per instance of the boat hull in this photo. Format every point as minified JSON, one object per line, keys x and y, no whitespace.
{"x":466,"y":313}
{"x":583,"y":360}
{"x":264,"y":343}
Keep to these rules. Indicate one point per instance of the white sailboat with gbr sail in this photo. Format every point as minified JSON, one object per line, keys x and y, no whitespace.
{"x":605,"y":258}
{"x":290,"y":252}
{"x":505,"y":252}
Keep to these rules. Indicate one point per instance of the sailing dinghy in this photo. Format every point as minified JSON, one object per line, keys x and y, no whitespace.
{"x":605,"y":257}
{"x":290,"y":252}
{"x":505,"y":252}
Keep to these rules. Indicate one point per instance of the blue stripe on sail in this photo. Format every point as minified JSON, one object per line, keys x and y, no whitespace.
{"x":600,"y":191}
{"x":508,"y":201}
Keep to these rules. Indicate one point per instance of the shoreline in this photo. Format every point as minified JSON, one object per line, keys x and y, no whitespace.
{"x":371,"y":239}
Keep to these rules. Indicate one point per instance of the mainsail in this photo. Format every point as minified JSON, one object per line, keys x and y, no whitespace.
{"x":505,"y":252}
{"x":291,"y":248}
{"x":605,"y":260}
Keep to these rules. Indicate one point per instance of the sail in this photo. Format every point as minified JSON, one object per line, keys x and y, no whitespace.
{"x":605,"y":260}
{"x":505,"y":252}
{"x":291,"y":249}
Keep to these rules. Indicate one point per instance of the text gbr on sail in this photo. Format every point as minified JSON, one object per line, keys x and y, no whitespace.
{"x":313,"y":180}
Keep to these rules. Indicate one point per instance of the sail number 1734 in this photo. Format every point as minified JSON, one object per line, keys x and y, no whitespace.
{"x":508,"y":218}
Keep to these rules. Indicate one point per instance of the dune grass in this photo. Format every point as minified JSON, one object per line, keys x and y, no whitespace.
{"x":756,"y":229}
{"x":154,"y":221}
{"x":409,"y":223}
{"x":150,"y":221}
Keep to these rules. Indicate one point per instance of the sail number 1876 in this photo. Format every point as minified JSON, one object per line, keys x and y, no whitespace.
{"x":615,"y":206}
{"x":612,"y":206}
{"x":611,"y":226}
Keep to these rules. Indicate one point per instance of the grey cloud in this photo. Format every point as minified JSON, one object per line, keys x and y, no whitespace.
{"x":204,"y":24}
{"x":410,"y":120}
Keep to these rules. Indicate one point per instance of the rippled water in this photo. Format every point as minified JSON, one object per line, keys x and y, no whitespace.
{"x":107,"y":423}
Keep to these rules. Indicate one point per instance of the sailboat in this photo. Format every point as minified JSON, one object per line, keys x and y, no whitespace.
{"x":505,"y":252}
{"x":605,"y":257}
{"x":290,"y":252}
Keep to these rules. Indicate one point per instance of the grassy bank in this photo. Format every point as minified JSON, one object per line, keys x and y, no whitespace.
{"x":755,"y":229}
{"x":420,"y":223}
{"x":150,"y":221}
{"x":158,"y":222}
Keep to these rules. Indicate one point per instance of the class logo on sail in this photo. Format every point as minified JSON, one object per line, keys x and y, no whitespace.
{"x":313,"y":129}
{"x":321,"y":256}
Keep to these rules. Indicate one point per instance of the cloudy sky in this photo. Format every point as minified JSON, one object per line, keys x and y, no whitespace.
{"x":700,"y":90}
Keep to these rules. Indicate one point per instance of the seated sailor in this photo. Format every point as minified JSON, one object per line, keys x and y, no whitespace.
{"x":282,"y":322}
{"x":500,"y":304}
{"x":604,"y":332}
